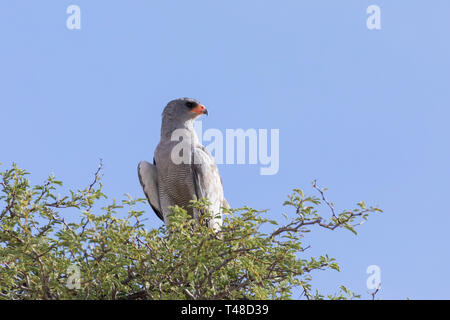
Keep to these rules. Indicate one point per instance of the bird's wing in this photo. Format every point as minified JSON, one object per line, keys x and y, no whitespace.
{"x":148,"y":178}
{"x":225,"y":204}
{"x":207,"y":181}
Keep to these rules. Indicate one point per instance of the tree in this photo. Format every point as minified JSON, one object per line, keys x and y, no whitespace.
{"x":66,"y":248}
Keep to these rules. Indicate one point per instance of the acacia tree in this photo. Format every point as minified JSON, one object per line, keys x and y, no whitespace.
{"x":66,"y":248}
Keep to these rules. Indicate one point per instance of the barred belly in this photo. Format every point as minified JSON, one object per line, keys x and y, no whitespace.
{"x":178,"y":186}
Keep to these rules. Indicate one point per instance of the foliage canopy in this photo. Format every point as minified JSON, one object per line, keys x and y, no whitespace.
{"x":54,"y":247}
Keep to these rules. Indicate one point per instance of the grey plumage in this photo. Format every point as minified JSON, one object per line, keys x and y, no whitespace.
{"x":182,"y":168}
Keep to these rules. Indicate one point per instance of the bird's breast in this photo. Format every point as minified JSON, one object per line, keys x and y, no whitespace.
{"x":177,"y":184}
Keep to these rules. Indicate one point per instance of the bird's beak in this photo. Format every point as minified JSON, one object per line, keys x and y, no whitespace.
{"x":200,"y":109}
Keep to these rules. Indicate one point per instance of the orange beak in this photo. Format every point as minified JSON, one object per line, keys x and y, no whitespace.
{"x":200,"y":109}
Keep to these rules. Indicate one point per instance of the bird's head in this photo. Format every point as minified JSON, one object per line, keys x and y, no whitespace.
{"x":184,"y":109}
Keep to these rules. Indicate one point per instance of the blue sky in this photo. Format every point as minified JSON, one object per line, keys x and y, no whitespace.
{"x":363,"y":112}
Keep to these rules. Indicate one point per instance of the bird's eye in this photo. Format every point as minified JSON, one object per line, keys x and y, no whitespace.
{"x":189,"y":104}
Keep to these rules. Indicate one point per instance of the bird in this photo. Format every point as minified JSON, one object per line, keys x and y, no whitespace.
{"x":183,"y":169}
